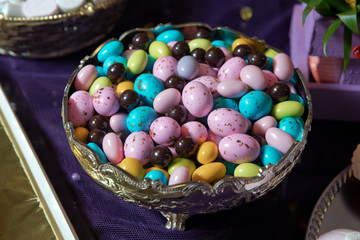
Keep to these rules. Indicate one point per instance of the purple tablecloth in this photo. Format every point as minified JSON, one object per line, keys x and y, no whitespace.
{"x":36,"y":89}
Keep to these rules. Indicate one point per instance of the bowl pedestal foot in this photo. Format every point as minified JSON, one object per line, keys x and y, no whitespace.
{"x":175,"y":221}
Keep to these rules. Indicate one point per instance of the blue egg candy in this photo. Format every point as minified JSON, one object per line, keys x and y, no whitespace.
{"x":222,"y":102}
{"x":157,"y":175}
{"x":148,"y":87}
{"x":113,"y":48}
{"x":269,"y":154}
{"x":100,"y":71}
{"x":297,"y":97}
{"x":170,"y":36}
{"x":140,"y":119}
{"x":98,"y":151}
{"x":150,"y":63}
{"x":255,"y":104}
{"x":293,"y":126}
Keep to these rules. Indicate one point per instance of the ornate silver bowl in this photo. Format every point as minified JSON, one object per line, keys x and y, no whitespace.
{"x":180,"y":201}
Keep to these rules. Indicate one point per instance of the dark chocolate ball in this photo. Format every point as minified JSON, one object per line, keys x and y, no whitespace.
{"x":96,"y":136}
{"x":129,"y":99}
{"x":131,"y":46}
{"x":181,"y":49}
{"x":202,"y":33}
{"x":279,"y":92}
{"x":122,"y":135}
{"x":97,"y":122}
{"x":199,"y":54}
{"x":116,"y":72}
{"x":242,"y":51}
{"x":178,"y":113}
{"x":141,"y":41}
{"x":174,"y":81}
{"x":261,"y":140}
{"x":258,"y":59}
{"x":214,"y":57}
{"x":161,"y":156}
{"x":185,"y":147}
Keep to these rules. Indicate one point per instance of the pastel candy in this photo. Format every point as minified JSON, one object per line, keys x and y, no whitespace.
{"x":164,"y":67}
{"x":269,"y":154}
{"x":283,"y":67}
{"x":80,"y":108}
{"x":165,"y":99}
{"x":232,"y":88}
{"x":231,"y":69}
{"x":254,"y":77}
{"x":113,"y":148}
{"x":38,"y":8}
{"x":112,"y":48}
{"x":197,"y":99}
{"x":85,"y":77}
{"x":98,"y":151}
{"x":133,"y":167}
{"x":13,"y":9}
{"x":279,"y":139}
{"x":199,"y":43}
{"x":170,"y":36}
{"x":247,"y":170}
{"x":99,"y":83}
{"x":177,"y":162}
{"x":210,"y":172}
{"x":137,"y":62}
{"x":287,"y":109}
{"x":179,"y":175}
{"x":70,"y":5}
{"x":260,"y":127}
{"x":159,"y":49}
{"x":157,"y":175}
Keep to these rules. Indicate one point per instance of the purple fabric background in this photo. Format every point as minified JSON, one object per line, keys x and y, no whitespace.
{"x":35,"y":87}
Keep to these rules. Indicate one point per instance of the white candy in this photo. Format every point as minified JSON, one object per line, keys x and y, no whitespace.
{"x":13,"y":9}
{"x":70,"y":5}
{"x":39,"y":8}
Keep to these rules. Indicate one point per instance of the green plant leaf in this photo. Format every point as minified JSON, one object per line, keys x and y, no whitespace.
{"x":349,"y":18}
{"x":325,"y":9}
{"x":347,"y":46}
{"x":312,"y":4}
{"x":330,"y":31}
{"x":339,"y":5}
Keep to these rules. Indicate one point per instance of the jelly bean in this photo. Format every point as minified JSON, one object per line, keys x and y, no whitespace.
{"x":231,"y":69}
{"x":157,"y":175}
{"x":99,"y":83}
{"x":158,"y":49}
{"x":292,"y":126}
{"x":98,"y":151}
{"x":232,"y":88}
{"x":118,"y":122}
{"x":161,"y":156}
{"x":113,"y":48}
{"x":279,"y":139}
{"x":164,"y":131}
{"x":225,"y":121}
{"x":106,"y":101}
{"x":247,"y":170}
{"x":283,"y":67}
{"x":269,"y":154}
{"x":180,"y":175}
{"x":296,"y":97}
{"x":137,"y":62}
{"x":81,"y":134}
{"x":287,"y":109}
{"x":239,"y":148}
{"x":260,"y":127}
{"x":202,"y":43}
{"x":85,"y":77}
{"x":240,"y":41}
{"x":195,"y":130}
{"x":164,"y":67}
{"x":210,"y":172}
{"x":197,"y":99}
{"x":188,"y":67}
{"x":146,"y":171}
{"x":80,"y":108}
{"x":148,"y":86}
{"x":133,"y":167}
{"x":170,"y":35}
{"x":125,"y":85}
{"x":254,"y":77}
{"x":166,"y":99}
{"x":139,"y":145}
{"x":140,"y":119}
{"x":255,"y":105}
{"x":207,"y":152}
{"x":100,"y":71}
{"x":113,"y":148}
{"x":177,"y":162}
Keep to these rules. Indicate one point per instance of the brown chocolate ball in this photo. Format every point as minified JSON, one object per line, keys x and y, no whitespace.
{"x":161,"y":156}
{"x":215,"y":57}
{"x":185,"y":147}
{"x":181,"y":49}
{"x":258,"y":59}
{"x":116,"y":72}
{"x":279,"y":92}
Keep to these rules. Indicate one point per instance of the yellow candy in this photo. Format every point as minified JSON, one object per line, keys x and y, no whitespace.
{"x":99,"y":83}
{"x":81,"y":134}
{"x":157,"y":168}
{"x":287,"y":109}
{"x":200,"y":43}
{"x":137,"y":62}
{"x":123,"y":86}
{"x":133,"y":167}
{"x":207,"y":152}
{"x":246,"y":13}
{"x":246,"y":170}
{"x":209,"y":172}
{"x":159,"y":49}
{"x":177,"y":162}
{"x":252,"y":43}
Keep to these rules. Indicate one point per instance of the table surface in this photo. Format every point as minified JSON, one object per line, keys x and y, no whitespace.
{"x":35,"y":88}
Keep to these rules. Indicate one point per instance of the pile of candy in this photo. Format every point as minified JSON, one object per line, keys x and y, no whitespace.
{"x":40,"y":8}
{"x":176,"y":107}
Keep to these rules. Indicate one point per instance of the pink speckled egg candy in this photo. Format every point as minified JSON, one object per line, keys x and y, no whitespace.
{"x":80,"y":108}
{"x":164,"y":131}
{"x":225,"y":121}
{"x":197,"y":99}
{"x":118,"y":122}
{"x":164,"y":67}
{"x":231,"y":69}
{"x":85,"y":77}
{"x":283,"y":67}
{"x":270,"y":77}
{"x":165,"y":99}
{"x":180,"y":175}
{"x":113,"y":147}
{"x":254,"y":77}
{"x":239,"y":148}
{"x":206,"y":70}
{"x":210,"y":82}
{"x":138,"y":145}
{"x":196,"y":130}
{"x":106,"y":101}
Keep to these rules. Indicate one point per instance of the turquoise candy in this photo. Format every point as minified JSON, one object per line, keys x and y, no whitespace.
{"x":269,"y":65}
{"x":269,"y":154}
{"x":298,"y":98}
{"x":230,"y":167}
{"x":100,"y":71}
{"x":293,"y":126}
{"x":157,"y":175}
{"x":150,"y":64}
{"x":222,"y":102}
{"x":221,"y":43}
{"x":98,"y":151}
{"x":140,"y":119}
{"x":117,"y":59}
{"x":113,"y":48}
{"x":255,"y":104}
{"x":148,"y":87}
{"x":170,"y":36}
